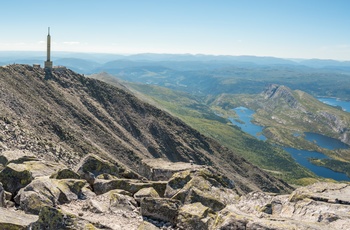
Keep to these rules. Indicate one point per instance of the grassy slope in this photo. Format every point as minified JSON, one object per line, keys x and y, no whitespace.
{"x":201,"y":117}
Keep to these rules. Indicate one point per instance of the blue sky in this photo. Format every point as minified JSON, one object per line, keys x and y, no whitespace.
{"x":280,"y":28}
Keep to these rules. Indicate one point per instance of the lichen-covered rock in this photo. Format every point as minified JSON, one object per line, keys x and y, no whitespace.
{"x":72,"y":189}
{"x":322,"y":191}
{"x":179,"y":180}
{"x":318,"y":206}
{"x":147,"y":226}
{"x":160,"y":208}
{"x":132,"y":186}
{"x":15,"y":177}
{"x":195,"y":216}
{"x":113,"y":201}
{"x":49,"y":192}
{"x":65,"y":174}
{"x":119,"y":201}
{"x":106,"y":176}
{"x":259,"y":203}
{"x":206,"y":198}
{"x":96,"y":206}
{"x":146,"y":192}
{"x":94,"y":165}
{"x":16,"y":156}
{"x":42,"y":168}
{"x":160,"y":169}
{"x":16,"y":220}
{"x":211,"y":190}
{"x":53,"y":218}
{"x":233,"y":218}
{"x":112,"y":210}
{"x":2,"y":196}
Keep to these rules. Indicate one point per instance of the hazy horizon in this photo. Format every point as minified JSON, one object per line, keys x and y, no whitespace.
{"x":313,"y":29}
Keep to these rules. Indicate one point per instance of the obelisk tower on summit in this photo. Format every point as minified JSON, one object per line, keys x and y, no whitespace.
{"x":48,"y":63}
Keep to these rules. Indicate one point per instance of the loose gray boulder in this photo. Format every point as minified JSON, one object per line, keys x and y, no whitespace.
{"x":15,"y":177}
{"x":102,"y":186}
{"x":146,"y":192}
{"x":20,"y":173}
{"x":17,"y":220}
{"x":195,"y":216}
{"x":92,"y":166}
{"x":16,"y":156}
{"x":210,"y":189}
{"x":160,"y":208}
{"x":65,"y":174}
{"x":50,"y":192}
{"x":160,"y":169}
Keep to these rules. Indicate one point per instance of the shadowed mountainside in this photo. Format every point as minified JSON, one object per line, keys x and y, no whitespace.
{"x":68,"y":116}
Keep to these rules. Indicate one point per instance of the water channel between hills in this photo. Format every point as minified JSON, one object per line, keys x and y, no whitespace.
{"x":300,"y":156}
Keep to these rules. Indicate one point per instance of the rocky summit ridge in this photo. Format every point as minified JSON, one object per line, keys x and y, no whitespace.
{"x":77,"y":153}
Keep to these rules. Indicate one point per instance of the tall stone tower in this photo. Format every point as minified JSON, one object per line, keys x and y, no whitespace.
{"x":48,"y":63}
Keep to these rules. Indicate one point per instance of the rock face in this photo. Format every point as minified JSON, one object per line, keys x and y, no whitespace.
{"x":298,"y":109}
{"x":283,"y":94}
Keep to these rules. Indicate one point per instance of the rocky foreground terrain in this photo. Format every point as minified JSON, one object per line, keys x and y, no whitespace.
{"x":76,"y":153}
{"x":100,"y":194}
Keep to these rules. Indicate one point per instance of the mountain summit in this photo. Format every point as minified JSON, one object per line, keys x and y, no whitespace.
{"x":301,"y":111}
{"x":69,"y":116}
{"x":77,"y":153}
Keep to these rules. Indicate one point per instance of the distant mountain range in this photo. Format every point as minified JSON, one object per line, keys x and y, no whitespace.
{"x":204,"y":75}
{"x":93,"y":62}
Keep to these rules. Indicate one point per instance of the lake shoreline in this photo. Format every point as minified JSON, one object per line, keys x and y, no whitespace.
{"x":302,"y":157}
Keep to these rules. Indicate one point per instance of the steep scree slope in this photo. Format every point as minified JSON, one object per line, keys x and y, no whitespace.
{"x":68,"y":116}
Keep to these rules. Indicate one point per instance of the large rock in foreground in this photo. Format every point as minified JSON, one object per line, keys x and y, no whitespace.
{"x":160,"y":208}
{"x":159,"y":169}
{"x":22,"y":168}
{"x":319,"y":206}
{"x":50,"y":192}
{"x":93,"y":166}
{"x":17,"y":220}
{"x":205,"y":186}
{"x":195,"y":198}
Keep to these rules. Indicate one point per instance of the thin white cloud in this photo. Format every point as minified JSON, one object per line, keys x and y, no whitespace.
{"x":71,"y":43}
{"x":336,"y":47}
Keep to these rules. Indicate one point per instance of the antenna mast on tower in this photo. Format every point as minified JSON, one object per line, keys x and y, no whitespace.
{"x":48,"y":62}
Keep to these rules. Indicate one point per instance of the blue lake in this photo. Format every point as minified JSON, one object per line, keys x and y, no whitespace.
{"x":246,"y":116}
{"x":336,"y":102}
{"x":300,"y":156}
{"x":325,"y":142}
